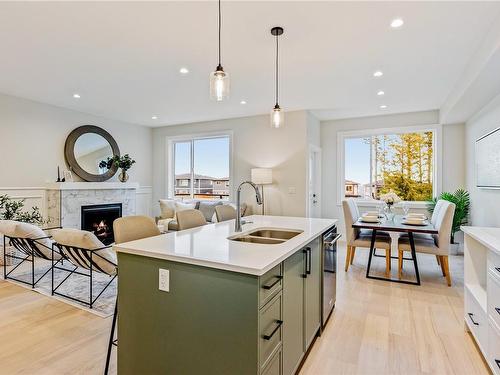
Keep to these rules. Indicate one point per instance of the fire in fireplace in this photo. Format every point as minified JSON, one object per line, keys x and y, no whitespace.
{"x":99,"y":218}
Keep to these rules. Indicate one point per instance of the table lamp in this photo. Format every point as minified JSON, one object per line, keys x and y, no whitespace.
{"x":262,"y":176}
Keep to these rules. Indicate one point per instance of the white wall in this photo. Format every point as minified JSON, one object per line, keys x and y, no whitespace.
{"x":452,"y":151}
{"x":32,"y":137}
{"x":255,"y":144}
{"x":485,"y":203}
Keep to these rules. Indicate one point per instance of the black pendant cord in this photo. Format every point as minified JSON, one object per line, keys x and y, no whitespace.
{"x":220,"y":16}
{"x":277,"y":80}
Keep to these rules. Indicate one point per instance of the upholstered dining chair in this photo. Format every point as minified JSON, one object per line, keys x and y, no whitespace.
{"x":131,"y":228}
{"x":187,"y":219}
{"x":30,"y":242}
{"x":434,"y":218}
{"x":225,"y":212}
{"x":438,"y":245}
{"x":125,"y":229}
{"x":362,"y":238}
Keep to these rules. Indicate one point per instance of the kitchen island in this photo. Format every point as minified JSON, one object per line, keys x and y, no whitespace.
{"x":231,"y":303}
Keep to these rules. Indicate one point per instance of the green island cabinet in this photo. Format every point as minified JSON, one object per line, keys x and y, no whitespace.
{"x":217,"y":322}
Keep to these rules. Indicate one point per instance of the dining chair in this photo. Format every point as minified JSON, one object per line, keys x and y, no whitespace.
{"x":131,"y":228}
{"x":438,"y":244}
{"x":125,"y":229}
{"x":225,"y":212}
{"x":362,"y":238}
{"x":190,"y":218}
{"x":433,"y":221}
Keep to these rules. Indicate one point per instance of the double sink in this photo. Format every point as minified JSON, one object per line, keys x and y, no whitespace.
{"x":267,"y":236}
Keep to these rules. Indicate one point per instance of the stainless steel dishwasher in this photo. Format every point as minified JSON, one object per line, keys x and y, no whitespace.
{"x":329,"y":267}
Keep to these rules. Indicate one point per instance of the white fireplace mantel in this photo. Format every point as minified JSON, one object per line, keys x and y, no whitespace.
{"x":92,"y":186}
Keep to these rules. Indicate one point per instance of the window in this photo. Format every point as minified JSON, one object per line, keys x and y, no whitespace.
{"x":201,"y":167}
{"x":403,"y":162}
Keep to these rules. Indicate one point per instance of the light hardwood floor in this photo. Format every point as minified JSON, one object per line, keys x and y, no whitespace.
{"x":376,"y":328}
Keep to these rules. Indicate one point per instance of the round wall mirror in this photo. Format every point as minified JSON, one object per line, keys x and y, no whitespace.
{"x":85,"y":148}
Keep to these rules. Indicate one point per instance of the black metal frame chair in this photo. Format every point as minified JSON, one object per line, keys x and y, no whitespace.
{"x":80,"y":258}
{"x":29,"y":247}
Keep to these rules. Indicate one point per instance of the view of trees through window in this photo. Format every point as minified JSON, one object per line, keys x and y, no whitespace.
{"x":201,"y":168}
{"x":378,"y":164}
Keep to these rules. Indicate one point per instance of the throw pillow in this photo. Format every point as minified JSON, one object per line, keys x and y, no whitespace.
{"x":207,"y":208}
{"x":180,"y":206}
{"x":167,"y":208}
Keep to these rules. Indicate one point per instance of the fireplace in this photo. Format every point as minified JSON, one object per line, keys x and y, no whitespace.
{"x":99,"y":218}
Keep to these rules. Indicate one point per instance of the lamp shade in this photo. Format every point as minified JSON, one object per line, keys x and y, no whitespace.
{"x":262,"y":176}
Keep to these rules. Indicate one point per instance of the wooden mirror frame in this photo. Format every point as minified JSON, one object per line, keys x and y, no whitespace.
{"x":69,"y":153}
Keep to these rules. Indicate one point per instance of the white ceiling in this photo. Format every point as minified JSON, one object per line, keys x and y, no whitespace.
{"x":124,"y":58}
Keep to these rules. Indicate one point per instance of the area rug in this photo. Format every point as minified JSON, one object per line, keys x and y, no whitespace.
{"x":76,"y":286}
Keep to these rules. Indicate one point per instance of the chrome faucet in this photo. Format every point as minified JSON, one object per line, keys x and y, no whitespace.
{"x":237,"y":223}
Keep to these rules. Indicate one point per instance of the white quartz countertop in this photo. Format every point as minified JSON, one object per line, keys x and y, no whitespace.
{"x":488,"y":236}
{"x":209,"y":245}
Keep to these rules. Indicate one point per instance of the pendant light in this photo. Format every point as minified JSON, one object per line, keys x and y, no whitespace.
{"x":219,"y":79}
{"x":277,"y":114}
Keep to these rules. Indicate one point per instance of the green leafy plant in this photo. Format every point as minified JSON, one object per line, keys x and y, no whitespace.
{"x":11,"y":209}
{"x":461,"y":199}
{"x":124,"y":162}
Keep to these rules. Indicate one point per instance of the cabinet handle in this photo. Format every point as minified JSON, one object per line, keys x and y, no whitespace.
{"x":308,"y":269}
{"x":472,"y":319}
{"x":497,"y":361}
{"x":306,"y":260}
{"x":278,"y":325}
{"x":278,"y":278}
{"x":330,"y":243}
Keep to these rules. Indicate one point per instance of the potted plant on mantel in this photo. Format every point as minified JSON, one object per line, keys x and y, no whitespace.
{"x":461,"y":199}
{"x":124,"y":162}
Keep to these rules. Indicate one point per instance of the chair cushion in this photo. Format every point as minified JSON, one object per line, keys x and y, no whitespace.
{"x":87,"y":240}
{"x":365,"y":240}
{"x":207,"y":208}
{"x":167,"y":208}
{"x":25,"y":230}
{"x":422,"y":245}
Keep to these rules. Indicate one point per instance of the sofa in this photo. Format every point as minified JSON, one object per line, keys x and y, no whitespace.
{"x":169,"y":208}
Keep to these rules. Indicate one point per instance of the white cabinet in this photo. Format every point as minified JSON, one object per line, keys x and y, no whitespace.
{"x":482,"y":291}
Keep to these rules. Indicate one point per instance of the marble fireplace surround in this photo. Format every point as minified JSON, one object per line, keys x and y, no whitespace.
{"x":65,"y":200}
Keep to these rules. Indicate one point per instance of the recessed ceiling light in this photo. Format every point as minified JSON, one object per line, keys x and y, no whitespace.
{"x":378,"y":73}
{"x":383,"y":107}
{"x":243,"y":102}
{"x":396,"y":23}
{"x":154,"y":117}
{"x":380,"y":93}
{"x":76,"y":96}
{"x":184,"y":70}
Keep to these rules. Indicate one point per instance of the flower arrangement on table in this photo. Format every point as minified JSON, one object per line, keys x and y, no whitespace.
{"x":390,"y":199}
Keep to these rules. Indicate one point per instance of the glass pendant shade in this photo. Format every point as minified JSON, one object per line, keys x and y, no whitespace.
{"x":219,"y":84}
{"x":277,"y":117}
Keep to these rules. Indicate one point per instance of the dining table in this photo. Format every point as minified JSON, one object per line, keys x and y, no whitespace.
{"x":395,"y":224}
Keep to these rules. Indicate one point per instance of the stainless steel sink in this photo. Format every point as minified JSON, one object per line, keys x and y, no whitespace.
{"x":265,"y":241}
{"x":267,"y":236}
{"x":282,"y":234}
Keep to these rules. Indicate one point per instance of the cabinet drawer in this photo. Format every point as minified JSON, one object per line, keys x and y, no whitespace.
{"x":270,"y":330}
{"x":494,"y":348}
{"x":493,"y":286}
{"x":270,"y":284}
{"x":275,"y":365}
{"x":494,"y":264}
{"x":476,"y":320}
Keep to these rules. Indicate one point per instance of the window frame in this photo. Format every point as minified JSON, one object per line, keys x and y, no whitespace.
{"x":437,"y":157}
{"x":170,"y":151}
